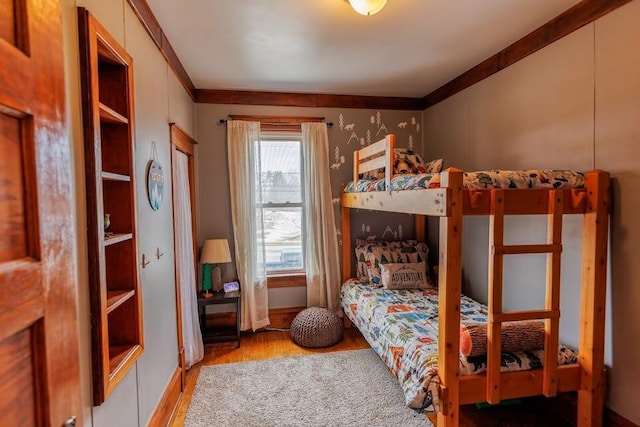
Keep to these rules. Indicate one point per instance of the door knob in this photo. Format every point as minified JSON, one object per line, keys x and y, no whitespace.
{"x":70,"y":422}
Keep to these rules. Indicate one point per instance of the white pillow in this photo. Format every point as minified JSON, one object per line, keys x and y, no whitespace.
{"x":404,"y":276}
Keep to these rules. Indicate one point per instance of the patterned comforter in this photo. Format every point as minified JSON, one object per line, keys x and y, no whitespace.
{"x":402,"y":327}
{"x":532,"y":178}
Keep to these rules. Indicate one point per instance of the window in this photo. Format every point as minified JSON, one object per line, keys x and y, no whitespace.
{"x":282,"y":202}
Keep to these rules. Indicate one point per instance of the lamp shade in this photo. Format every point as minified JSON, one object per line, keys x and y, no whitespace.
{"x":215,"y":251}
{"x":367,"y":7}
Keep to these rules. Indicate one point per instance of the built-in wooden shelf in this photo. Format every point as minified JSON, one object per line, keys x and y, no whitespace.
{"x":106,"y":72}
{"x":116,"y":298}
{"x":110,"y":176}
{"x":117,"y":238}
{"x":110,"y":115}
{"x":119,"y":355}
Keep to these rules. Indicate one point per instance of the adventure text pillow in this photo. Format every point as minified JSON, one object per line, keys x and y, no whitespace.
{"x":404,"y":276}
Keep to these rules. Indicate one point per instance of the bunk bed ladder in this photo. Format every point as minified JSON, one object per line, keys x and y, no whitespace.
{"x":551,"y":313}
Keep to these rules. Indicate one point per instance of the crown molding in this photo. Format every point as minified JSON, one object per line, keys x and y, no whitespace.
{"x":567,"y":22}
{"x":291,"y":99}
{"x":150,"y":23}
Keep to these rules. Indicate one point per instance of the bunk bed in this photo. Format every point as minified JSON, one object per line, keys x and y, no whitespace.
{"x":452,"y":194}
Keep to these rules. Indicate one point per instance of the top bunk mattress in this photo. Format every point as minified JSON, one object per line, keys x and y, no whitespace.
{"x":479,"y":180}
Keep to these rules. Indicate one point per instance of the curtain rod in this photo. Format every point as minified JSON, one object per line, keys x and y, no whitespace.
{"x":329,"y":124}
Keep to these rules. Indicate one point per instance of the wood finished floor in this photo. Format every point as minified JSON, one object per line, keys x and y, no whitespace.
{"x":275,"y":344}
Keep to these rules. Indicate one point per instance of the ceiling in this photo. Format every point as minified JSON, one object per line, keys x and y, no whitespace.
{"x":409,"y":49}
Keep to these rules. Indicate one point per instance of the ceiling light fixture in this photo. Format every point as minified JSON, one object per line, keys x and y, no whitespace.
{"x":367,"y":7}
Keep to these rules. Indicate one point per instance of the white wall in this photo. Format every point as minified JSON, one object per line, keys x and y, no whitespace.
{"x":575,"y":105}
{"x":159,"y":99}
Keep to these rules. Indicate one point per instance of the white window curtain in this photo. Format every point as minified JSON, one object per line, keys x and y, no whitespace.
{"x":244,"y":166}
{"x":191,"y":336}
{"x":321,"y":259}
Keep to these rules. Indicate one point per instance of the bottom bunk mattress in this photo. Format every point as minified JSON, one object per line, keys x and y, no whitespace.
{"x":402,"y":327}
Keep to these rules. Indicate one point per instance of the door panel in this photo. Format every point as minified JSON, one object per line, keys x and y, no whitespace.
{"x":17,"y":363}
{"x":13,"y":239}
{"x":13,"y":26}
{"x":39,"y":373}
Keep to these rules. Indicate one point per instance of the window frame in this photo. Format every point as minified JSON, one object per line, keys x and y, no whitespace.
{"x":295,"y":277}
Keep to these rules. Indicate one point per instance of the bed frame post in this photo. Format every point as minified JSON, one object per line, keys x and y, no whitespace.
{"x":495,"y":292}
{"x":391,"y":158}
{"x":420,"y":222}
{"x":356,"y":169}
{"x":345,"y":219}
{"x":594,"y":282}
{"x":449,"y":282}
{"x":345,"y":222}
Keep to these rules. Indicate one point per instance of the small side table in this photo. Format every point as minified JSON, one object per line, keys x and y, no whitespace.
{"x":220,"y":333}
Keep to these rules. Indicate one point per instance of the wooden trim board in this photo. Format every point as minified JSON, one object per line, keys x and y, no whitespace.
{"x":289,"y":281}
{"x":565,"y":406}
{"x":166,"y":408}
{"x":279,"y":317}
{"x":150,"y":23}
{"x":294,"y":99}
{"x":282,"y":317}
{"x":613,"y":419}
{"x":183,"y":143}
{"x":182,"y":140}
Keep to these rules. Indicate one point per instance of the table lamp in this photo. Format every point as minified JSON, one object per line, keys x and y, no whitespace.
{"x":214,"y":251}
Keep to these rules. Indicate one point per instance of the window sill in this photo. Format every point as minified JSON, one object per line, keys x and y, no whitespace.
{"x":286,"y":281}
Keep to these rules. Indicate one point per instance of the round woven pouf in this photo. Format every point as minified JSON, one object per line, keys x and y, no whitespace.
{"x":316,"y":327}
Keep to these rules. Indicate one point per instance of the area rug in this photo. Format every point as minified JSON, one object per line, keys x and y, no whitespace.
{"x":345,"y":388}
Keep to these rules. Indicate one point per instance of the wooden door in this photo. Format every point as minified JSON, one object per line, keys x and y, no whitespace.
{"x":39,"y":373}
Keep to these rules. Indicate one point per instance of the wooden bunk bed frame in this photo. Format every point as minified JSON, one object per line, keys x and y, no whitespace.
{"x":451,"y":202}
